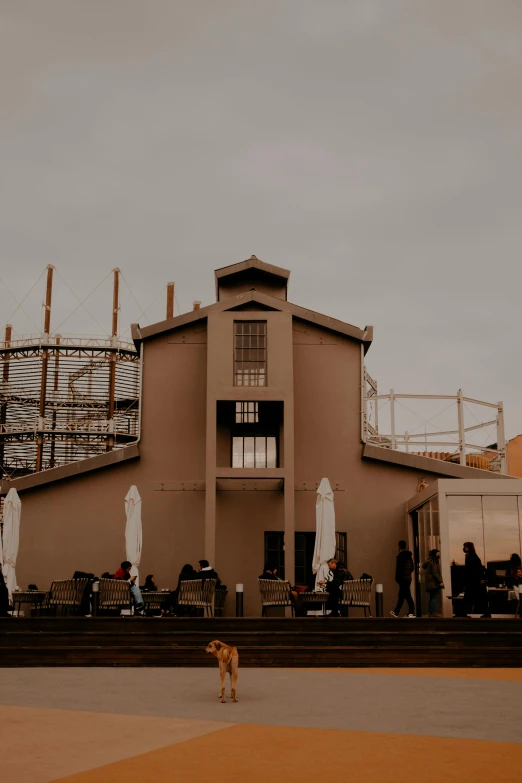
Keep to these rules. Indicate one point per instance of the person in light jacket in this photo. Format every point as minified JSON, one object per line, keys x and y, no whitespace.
{"x":433,"y":580}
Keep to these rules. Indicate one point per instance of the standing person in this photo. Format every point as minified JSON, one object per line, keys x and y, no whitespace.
{"x":123,"y":572}
{"x":433,"y":581}
{"x":475,"y":592}
{"x":334,"y":586}
{"x":403,"y":572}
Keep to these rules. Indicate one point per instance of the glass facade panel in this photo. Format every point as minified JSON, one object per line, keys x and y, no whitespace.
{"x":501,"y":532}
{"x":465,"y":524}
{"x":254,"y":452}
{"x":249,"y":455}
{"x":271,"y":453}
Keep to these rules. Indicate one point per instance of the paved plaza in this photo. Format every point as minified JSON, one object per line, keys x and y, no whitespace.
{"x":101,"y":725}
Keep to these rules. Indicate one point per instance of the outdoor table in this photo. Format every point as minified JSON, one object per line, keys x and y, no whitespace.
{"x":154,"y":599}
{"x":34,"y":597}
{"x":314,"y":597}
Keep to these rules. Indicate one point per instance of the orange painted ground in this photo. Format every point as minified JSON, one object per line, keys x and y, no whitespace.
{"x":503,"y":675}
{"x":257,"y":754}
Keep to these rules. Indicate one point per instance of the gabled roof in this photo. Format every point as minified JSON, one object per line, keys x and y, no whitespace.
{"x":275,"y":273}
{"x":365,"y":336}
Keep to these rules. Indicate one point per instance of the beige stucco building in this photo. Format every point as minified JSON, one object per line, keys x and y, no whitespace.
{"x":245,"y":405}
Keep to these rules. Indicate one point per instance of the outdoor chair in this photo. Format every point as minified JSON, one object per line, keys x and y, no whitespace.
{"x":114,"y":594}
{"x":219,"y":602}
{"x":198,"y":594}
{"x":66,"y":593}
{"x":358,"y":593}
{"x":275,"y":593}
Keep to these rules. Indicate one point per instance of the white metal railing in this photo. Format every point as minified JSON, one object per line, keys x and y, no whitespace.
{"x":452,"y":444}
{"x":74,"y":340}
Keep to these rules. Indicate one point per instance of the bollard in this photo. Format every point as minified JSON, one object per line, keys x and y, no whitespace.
{"x":95,"y":598}
{"x":239,"y":600}
{"x":379,"y":605}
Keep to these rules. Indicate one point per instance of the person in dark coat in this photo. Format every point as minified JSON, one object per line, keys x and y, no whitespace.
{"x":206,"y":571}
{"x":150,"y":585}
{"x":475,"y":592}
{"x":403,"y":574}
{"x":4,"y":596}
{"x":433,"y":580}
{"x":334,"y":586}
{"x":514,"y":570}
{"x":171,"y":603}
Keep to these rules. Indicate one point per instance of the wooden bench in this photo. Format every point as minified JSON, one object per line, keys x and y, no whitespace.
{"x":114,"y":594}
{"x":198,"y":594}
{"x":67,"y":594}
{"x":275,"y":592}
{"x":358,"y":593}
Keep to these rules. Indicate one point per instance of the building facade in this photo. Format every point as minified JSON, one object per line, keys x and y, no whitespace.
{"x":245,"y":405}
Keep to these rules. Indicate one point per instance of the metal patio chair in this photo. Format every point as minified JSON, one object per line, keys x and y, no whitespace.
{"x":114,"y":594}
{"x":358,"y":593}
{"x":67,"y":594}
{"x":275,"y":593}
{"x":198,"y":594}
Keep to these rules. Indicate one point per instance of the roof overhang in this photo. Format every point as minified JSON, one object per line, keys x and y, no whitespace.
{"x":71,"y":470}
{"x":427,"y":464}
{"x":364,"y":336}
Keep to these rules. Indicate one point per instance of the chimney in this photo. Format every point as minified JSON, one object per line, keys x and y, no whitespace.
{"x":196,"y":305}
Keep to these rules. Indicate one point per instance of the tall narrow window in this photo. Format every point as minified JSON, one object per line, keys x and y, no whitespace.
{"x":250,"y":353}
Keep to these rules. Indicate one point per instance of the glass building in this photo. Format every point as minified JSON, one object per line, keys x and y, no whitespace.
{"x":451,"y":511}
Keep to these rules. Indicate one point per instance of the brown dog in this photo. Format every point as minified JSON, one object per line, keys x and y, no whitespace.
{"x":228,"y":662}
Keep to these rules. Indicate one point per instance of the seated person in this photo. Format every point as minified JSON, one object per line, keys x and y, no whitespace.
{"x":334,"y":586}
{"x":171,"y":603}
{"x":205,"y":571}
{"x":150,"y":585}
{"x":270,"y":572}
{"x":123,"y":572}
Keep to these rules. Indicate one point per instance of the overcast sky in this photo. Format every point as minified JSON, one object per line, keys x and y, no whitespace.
{"x":373,"y":147}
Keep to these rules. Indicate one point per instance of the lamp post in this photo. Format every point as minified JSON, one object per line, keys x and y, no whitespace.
{"x":239,"y":600}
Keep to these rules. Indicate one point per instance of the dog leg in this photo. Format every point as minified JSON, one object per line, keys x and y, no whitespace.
{"x":233,"y":678}
{"x":222,"y":674}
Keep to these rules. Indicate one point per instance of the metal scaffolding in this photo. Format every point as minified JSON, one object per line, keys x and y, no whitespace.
{"x":65,"y":398}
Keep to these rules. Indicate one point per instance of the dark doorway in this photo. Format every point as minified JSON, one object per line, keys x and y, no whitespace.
{"x":304,"y":544}
{"x":416,"y":560}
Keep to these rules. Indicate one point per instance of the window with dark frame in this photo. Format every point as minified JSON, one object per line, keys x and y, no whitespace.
{"x":247,"y":412}
{"x":251,"y":451}
{"x":249,"y":353}
{"x":275,"y":551}
{"x":340,"y":549}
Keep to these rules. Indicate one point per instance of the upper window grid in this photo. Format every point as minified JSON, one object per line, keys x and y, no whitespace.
{"x":247,"y":412}
{"x":250,"y":353}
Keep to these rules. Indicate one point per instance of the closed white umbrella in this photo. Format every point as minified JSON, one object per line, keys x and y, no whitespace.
{"x":324,"y":548}
{"x":133,"y":531}
{"x":12,"y":514}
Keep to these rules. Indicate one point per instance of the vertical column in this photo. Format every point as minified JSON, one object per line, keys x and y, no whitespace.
{"x":45,"y":365}
{"x":113,"y":357}
{"x":52,"y":460}
{"x":170,"y":300}
{"x":501,"y":439}
{"x":392,"y":417}
{"x":5,"y":393}
{"x":462,"y":432}
{"x":210,"y":460}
